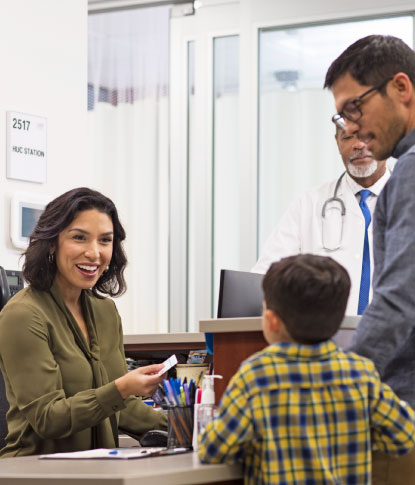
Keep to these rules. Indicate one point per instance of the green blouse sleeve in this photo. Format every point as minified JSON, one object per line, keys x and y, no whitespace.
{"x":138,"y":417}
{"x":36,"y":383}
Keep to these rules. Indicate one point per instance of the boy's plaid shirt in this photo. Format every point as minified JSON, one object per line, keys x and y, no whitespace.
{"x":299,"y":414}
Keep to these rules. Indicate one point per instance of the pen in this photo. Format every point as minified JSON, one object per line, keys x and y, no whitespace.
{"x":182,"y":396}
{"x":198,"y":396}
{"x":168,"y":394}
{"x":186,"y":394}
{"x":176,"y":386}
{"x":192,"y":391}
{"x":171,"y":393}
{"x":113,"y":452}
{"x":176,"y":389}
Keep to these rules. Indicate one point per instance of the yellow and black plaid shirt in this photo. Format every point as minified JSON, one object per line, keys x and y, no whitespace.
{"x":309,"y":415}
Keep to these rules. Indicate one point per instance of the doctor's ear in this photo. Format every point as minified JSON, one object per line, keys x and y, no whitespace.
{"x":336,"y":137}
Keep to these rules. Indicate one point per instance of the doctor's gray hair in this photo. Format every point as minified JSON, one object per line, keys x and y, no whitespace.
{"x":309,"y":293}
{"x":40,"y":269}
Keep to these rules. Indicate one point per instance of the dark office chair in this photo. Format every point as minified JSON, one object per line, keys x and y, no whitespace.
{"x":4,"y":288}
{"x":4,"y":407}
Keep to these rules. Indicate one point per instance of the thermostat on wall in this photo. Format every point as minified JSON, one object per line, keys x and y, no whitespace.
{"x":25,"y":210}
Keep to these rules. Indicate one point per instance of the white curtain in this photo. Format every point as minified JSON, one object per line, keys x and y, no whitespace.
{"x":297,"y":150}
{"x":128,"y":144}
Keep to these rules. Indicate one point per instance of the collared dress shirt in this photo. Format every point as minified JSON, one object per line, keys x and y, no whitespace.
{"x":61,"y":390}
{"x":300,"y":230}
{"x":299,"y":414}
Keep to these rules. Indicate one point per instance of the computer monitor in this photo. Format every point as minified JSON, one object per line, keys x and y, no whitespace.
{"x":240,"y":294}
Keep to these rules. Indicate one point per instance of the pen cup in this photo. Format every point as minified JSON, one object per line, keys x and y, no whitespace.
{"x":180,"y":428}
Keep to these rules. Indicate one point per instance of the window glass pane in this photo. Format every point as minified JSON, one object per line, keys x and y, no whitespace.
{"x":296,"y":137}
{"x":191,"y":159}
{"x":226,"y":186}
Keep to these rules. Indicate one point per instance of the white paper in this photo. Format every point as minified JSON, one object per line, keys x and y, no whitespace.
{"x":105,"y":453}
{"x":168,"y":364}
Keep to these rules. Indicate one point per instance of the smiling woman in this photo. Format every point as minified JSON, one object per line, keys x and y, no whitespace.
{"x":69,"y":388}
{"x":83,"y":251}
{"x":66,"y":216}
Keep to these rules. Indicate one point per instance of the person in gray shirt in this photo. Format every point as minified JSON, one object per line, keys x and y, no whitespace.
{"x":372,"y":82}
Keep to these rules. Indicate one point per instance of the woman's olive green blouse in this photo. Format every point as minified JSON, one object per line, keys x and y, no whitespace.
{"x":61,"y":391}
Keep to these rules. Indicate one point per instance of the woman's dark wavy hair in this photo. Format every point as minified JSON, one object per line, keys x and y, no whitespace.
{"x":58,"y":214}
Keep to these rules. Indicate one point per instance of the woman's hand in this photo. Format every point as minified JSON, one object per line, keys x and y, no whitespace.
{"x":140,"y":382}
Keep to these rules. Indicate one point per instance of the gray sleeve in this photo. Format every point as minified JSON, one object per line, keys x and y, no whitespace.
{"x":388,"y":322}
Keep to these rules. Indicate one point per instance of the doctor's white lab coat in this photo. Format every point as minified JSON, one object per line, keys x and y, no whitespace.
{"x":301,"y":231}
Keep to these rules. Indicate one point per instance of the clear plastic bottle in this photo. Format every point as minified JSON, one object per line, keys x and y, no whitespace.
{"x":206,"y":409}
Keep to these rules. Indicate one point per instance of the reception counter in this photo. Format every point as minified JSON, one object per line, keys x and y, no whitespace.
{"x":159,"y":346}
{"x":166,"y":341}
{"x":174,"y":470}
{"x":237,"y":338}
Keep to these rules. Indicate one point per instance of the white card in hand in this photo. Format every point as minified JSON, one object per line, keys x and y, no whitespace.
{"x":168,"y":364}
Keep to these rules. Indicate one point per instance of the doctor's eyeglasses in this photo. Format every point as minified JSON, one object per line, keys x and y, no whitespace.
{"x":351,"y":110}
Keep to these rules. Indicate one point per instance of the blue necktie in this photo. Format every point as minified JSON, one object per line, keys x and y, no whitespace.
{"x":365,"y":279}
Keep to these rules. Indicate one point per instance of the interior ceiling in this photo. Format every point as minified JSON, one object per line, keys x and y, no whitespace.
{"x":101,"y":6}
{"x":131,"y":3}
{"x":138,"y":2}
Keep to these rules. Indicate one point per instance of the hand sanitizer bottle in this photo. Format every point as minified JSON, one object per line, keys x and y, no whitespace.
{"x":206,"y":410}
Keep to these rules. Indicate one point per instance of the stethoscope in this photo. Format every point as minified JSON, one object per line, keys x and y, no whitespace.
{"x":332,"y":216}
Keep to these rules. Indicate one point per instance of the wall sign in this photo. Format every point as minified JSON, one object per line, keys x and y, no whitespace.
{"x":26,"y":147}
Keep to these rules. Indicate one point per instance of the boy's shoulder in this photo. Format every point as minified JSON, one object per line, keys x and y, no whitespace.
{"x":340,"y":361}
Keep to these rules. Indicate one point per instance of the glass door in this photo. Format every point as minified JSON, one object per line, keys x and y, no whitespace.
{"x":204,"y":157}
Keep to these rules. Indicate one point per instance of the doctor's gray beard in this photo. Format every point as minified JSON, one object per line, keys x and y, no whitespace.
{"x":362,"y":172}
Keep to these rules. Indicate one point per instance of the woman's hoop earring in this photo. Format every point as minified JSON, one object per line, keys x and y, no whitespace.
{"x":51,"y":258}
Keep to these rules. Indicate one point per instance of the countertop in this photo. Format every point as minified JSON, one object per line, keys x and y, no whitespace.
{"x":254,"y":324}
{"x":164,"y":338}
{"x":179,"y":469}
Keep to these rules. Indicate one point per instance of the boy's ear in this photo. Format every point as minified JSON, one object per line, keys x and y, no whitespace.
{"x":274,"y":321}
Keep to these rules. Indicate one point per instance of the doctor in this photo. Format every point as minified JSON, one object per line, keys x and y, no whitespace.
{"x":334,"y":220}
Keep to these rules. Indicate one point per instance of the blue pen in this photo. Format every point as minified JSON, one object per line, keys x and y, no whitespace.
{"x":176,"y":389}
{"x":113,"y":452}
{"x":166,"y":391}
{"x":171,"y":393}
{"x":177,"y":392}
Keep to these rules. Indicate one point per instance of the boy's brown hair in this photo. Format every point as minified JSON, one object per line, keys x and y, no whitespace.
{"x":309,"y":293}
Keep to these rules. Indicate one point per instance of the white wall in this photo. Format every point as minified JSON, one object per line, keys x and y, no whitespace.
{"x":43,"y":58}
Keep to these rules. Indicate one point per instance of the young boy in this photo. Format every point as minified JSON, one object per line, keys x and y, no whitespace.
{"x":303,"y":411}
